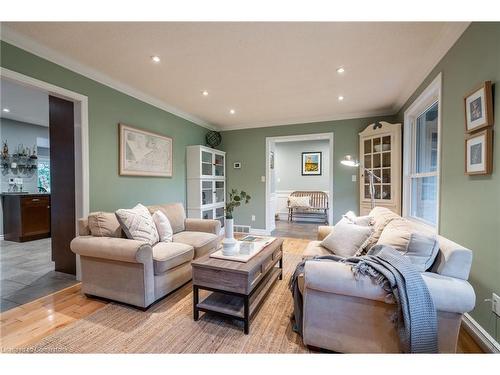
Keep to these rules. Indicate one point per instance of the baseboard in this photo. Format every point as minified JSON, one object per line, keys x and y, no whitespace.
{"x":259,"y":232}
{"x":479,"y":334}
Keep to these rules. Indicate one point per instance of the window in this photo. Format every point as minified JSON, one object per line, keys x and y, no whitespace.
{"x":421,"y":157}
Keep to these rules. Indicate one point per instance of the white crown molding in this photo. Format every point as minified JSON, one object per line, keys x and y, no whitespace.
{"x":28,"y":44}
{"x":311,"y":120}
{"x":449,"y":36}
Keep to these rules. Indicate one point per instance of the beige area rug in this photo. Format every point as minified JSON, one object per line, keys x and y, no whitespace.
{"x":168,"y":327}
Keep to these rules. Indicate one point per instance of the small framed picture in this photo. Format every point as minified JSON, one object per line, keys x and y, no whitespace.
{"x":479,"y":108}
{"x":479,"y":153}
{"x":311,"y":164}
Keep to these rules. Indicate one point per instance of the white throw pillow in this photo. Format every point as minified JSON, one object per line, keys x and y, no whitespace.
{"x":359,"y":220}
{"x":346,"y":238}
{"x":163,"y":226}
{"x":138,"y":224}
{"x":299,"y":201}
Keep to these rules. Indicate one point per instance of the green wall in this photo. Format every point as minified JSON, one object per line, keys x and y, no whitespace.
{"x":470,"y":206}
{"x":108,"y":107}
{"x":248,"y":146}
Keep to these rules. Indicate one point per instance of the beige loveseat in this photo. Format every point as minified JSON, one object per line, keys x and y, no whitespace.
{"x":348,"y":315}
{"x":134,"y":272}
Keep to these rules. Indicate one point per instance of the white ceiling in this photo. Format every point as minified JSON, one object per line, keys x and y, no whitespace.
{"x":25,"y":104}
{"x":270,"y":73}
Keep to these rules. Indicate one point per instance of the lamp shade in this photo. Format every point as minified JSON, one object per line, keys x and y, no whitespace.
{"x":349,"y":161}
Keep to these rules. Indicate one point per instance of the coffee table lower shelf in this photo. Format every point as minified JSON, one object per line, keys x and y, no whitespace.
{"x":235,"y":305}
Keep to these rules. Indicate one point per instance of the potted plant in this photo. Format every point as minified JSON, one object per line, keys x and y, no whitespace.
{"x":235,"y":199}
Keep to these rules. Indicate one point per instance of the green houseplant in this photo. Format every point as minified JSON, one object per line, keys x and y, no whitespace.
{"x":235,"y":199}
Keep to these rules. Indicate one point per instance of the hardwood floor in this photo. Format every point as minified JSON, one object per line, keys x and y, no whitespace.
{"x":29,"y":323}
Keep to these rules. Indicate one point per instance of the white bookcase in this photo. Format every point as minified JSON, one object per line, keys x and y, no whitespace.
{"x":206,"y":183}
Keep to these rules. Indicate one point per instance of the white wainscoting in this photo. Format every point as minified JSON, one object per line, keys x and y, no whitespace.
{"x":281,"y":205}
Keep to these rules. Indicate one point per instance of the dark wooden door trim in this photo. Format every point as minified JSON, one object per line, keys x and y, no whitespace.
{"x":62,"y":182}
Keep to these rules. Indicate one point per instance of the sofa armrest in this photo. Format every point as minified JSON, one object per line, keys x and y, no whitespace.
{"x":120,"y":249}
{"x":323,"y":231}
{"x":450,"y":294}
{"x":203,"y":225}
{"x":337,"y":278}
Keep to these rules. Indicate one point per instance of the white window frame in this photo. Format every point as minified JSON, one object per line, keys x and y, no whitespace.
{"x":426,"y":99}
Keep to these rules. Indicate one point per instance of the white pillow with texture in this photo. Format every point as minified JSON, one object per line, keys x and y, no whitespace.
{"x":299,"y":201}
{"x":163,"y":226}
{"x":138,"y":224}
{"x":359,"y":220}
{"x":346,"y":238}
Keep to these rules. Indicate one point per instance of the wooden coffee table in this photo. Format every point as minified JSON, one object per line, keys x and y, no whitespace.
{"x":238,"y":289}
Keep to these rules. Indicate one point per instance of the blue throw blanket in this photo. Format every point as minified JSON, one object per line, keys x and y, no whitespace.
{"x":416,"y":319}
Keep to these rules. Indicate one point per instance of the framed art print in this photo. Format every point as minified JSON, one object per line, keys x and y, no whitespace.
{"x":479,"y":153}
{"x":311,"y":164}
{"x":143,"y":153}
{"x":479,"y":108}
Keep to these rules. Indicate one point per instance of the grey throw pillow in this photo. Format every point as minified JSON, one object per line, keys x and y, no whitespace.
{"x":346,"y":238}
{"x":422,"y":250}
{"x":138,"y":224}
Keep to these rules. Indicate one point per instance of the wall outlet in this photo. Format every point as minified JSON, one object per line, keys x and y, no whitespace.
{"x":495,"y":304}
{"x":263,"y":178}
{"x":354,"y":178}
{"x":253,"y":217}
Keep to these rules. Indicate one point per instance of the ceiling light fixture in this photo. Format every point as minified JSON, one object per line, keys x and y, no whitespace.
{"x":6,"y":110}
{"x":155,"y":59}
{"x":340,"y":98}
{"x":204,"y":93}
{"x":340,"y":70}
{"x":232,"y":111}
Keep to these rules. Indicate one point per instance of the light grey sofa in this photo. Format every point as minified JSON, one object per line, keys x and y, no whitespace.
{"x":133,"y":272}
{"x":349,"y":315}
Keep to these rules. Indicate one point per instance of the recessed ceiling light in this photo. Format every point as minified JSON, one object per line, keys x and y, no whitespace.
{"x":6,"y":110}
{"x":155,"y":59}
{"x":232,"y":111}
{"x":340,"y":70}
{"x":340,"y":98}
{"x":204,"y":93}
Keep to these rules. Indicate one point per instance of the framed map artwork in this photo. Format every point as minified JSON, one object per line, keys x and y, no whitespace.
{"x":143,"y":153}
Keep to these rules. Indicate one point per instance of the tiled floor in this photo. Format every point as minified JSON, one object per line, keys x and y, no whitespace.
{"x":296,"y":229}
{"x":27,"y":272}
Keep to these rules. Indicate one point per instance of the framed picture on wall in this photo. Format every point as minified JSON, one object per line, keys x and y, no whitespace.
{"x":311,"y":163}
{"x":144,"y":153}
{"x":479,"y":153}
{"x":479,"y":108}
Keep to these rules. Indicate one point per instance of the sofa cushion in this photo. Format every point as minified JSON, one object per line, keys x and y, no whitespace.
{"x":396,"y":234}
{"x":138,"y":224}
{"x":313,"y":249}
{"x":381,"y":217}
{"x":347,"y":238}
{"x":174,"y":212}
{"x":163,"y":226}
{"x":167,"y":255}
{"x":202,"y":242}
{"x":104,"y":224}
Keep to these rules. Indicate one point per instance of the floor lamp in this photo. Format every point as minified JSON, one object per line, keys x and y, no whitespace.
{"x":350,"y":162}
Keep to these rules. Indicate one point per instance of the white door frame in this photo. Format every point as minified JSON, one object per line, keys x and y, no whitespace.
{"x":270,"y":224}
{"x":81,"y":139}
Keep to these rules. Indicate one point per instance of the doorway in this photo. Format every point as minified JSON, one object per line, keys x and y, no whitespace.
{"x":49,"y":195}
{"x":296,"y":165}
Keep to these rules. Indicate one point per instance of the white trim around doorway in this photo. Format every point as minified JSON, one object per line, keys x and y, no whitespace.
{"x":82,"y":200}
{"x":270,"y":141}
